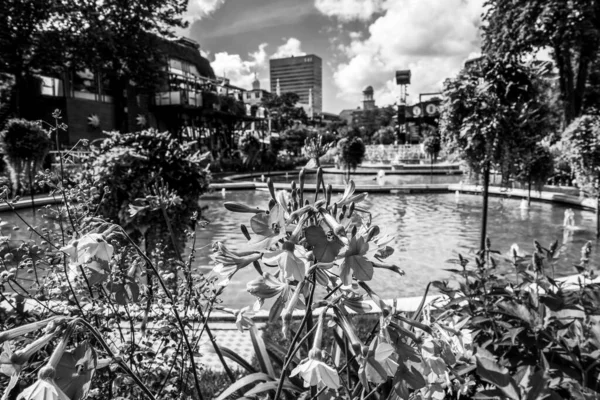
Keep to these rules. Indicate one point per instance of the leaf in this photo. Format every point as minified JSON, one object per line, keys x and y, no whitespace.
{"x":241,"y":208}
{"x":363,"y":268}
{"x":265,"y":386}
{"x":75,"y":371}
{"x":12,"y":383}
{"x":325,"y":250}
{"x":260,"y":350}
{"x":492,"y":372}
{"x":232,"y":355}
{"x":257,"y":377}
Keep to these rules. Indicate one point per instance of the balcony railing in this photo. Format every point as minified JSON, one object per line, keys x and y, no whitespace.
{"x":179,"y":97}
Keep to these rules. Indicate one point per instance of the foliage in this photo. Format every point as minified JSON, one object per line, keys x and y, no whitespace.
{"x":25,"y":144}
{"x":92,"y":315}
{"x":533,"y":337}
{"x":37,"y":38}
{"x":131,"y":168}
{"x":581,"y":149}
{"x":385,"y":135}
{"x":294,"y":138}
{"x":536,"y":167}
{"x":315,"y":148}
{"x":433,"y":145}
{"x":352,"y":152}
{"x":284,"y":111}
{"x":491,"y":113}
{"x":372,"y":121}
{"x":570,"y":29}
{"x":330,"y":246}
{"x":250,"y":149}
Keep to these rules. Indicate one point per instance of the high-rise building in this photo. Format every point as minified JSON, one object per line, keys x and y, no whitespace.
{"x":302,"y":75}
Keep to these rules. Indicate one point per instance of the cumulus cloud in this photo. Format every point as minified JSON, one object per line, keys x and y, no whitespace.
{"x":293,"y":47}
{"x":198,"y":9}
{"x":241,"y":70}
{"x":432,"y":38}
{"x":350,"y":10}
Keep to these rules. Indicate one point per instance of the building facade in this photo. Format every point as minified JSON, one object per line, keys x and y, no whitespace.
{"x":302,"y":75}
{"x":189,"y":101}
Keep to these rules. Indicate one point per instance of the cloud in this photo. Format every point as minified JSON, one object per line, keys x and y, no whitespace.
{"x":291,"y":48}
{"x":432,"y":38}
{"x":350,"y":10}
{"x":241,"y":70}
{"x":198,"y":9}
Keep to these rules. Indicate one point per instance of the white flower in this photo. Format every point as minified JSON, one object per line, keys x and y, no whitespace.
{"x":87,"y":248}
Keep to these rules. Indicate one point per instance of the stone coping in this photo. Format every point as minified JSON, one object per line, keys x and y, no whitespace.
{"x":422,"y":169}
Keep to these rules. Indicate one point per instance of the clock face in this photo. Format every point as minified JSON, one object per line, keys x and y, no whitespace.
{"x":416,"y":111}
{"x":431,"y":109}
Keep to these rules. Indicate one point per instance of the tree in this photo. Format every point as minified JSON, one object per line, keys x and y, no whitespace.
{"x":490,"y":113}
{"x":352,"y":152}
{"x":569,"y":29}
{"x":433,"y":146}
{"x":385,"y":135}
{"x":250,"y":149}
{"x":535,"y":168}
{"x":122,"y":39}
{"x":293,"y":139}
{"x":34,"y":37}
{"x":283,"y":110}
{"x":25,"y":144}
{"x":581,"y":149}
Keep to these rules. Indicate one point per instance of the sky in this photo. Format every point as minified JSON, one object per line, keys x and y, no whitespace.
{"x":361,"y":42}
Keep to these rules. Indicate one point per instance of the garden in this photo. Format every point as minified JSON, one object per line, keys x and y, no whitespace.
{"x":103,"y":297}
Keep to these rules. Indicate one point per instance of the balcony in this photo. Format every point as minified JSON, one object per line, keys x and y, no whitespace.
{"x":189,"y":98}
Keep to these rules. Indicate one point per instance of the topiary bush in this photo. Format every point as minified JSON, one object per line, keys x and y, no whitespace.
{"x":352,"y":153}
{"x":25,"y":144}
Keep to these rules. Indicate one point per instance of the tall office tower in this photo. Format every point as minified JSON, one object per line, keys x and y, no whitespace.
{"x":299,"y":75}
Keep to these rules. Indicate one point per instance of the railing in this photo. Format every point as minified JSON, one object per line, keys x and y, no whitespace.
{"x":390,"y":154}
{"x":179,"y":97}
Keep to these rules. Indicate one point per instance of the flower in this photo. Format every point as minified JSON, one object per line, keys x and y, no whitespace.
{"x":88,"y":247}
{"x":312,"y":369}
{"x":243,"y":317}
{"x":270,"y":227}
{"x":266,"y":286}
{"x":378,"y":362}
{"x":354,"y":261}
{"x":229,"y":262}
{"x":291,"y":265}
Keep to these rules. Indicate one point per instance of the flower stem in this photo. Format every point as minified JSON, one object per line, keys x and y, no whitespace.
{"x":292,"y":348}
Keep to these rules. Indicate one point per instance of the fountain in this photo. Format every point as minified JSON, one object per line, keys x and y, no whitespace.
{"x":569,"y":222}
{"x":524,"y":204}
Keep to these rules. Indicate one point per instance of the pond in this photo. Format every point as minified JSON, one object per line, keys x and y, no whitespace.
{"x":387,"y":180}
{"x":429,"y":229}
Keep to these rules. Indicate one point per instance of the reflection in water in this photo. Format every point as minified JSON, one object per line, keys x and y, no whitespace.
{"x":428,"y":229}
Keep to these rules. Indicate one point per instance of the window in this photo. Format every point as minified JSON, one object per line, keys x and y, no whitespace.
{"x":257,"y":95}
{"x":52,"y":86}
{"x":90,"y":86}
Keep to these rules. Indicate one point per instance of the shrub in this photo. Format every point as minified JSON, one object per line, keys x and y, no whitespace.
{"x":25,"y":145}
{"x":533,"y":337}
{"x":433,"y":146}
{"x":131,"y":168}
{"x":386,"y":135}
{"x":352,"y":152}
